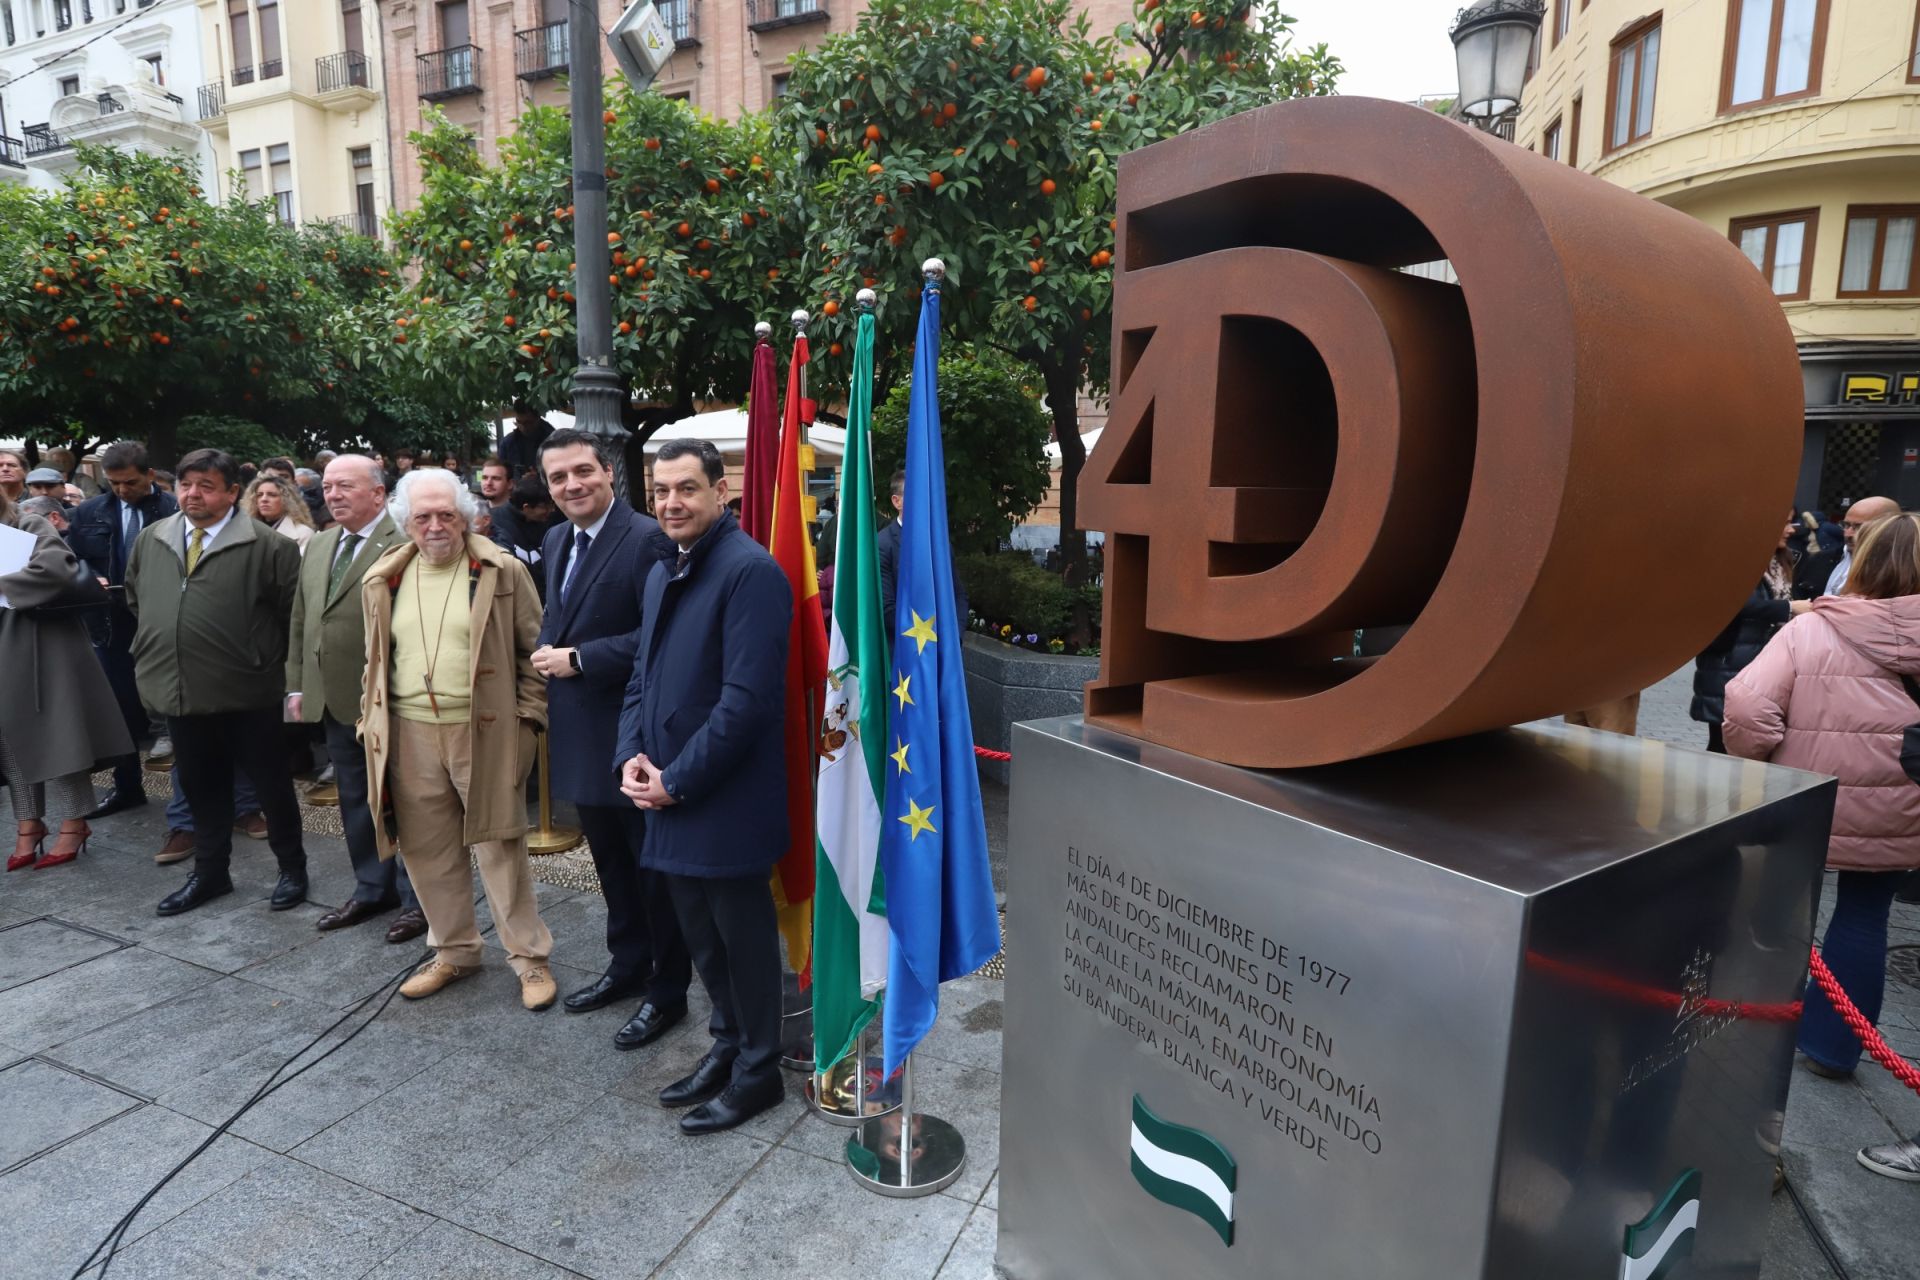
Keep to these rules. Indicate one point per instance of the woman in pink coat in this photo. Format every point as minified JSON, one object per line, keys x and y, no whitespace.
{"x":1826,"y":695}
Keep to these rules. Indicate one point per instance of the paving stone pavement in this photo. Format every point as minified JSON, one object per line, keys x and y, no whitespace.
{"x":463,"y":1137}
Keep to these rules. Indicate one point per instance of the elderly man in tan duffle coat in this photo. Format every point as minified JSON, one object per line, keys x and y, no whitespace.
{"x":450,"y":705}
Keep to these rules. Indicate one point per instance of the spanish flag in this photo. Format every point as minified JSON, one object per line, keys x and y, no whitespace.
{"x":806,"y":674}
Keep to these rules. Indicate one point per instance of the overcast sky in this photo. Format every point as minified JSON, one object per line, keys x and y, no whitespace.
{"x":1391,"y":48}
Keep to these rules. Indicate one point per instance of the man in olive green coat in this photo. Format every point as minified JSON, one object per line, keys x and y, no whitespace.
{"x":211,"y":589}
{"x":324,"y":661}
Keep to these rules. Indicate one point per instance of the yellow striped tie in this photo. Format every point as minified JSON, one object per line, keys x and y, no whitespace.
{"x":193,"y":549}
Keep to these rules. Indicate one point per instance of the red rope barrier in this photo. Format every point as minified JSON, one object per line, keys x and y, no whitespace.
{"x":985,"y":754}
{"x":1613,"y":985}
{"x":1903,"y":1071}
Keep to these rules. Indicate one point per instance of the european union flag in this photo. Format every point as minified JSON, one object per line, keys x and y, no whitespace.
{"x":933,"y":838}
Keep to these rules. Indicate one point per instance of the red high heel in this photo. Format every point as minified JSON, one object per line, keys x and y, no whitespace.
{"x":26,"y":847}
{"x":63,"y":853}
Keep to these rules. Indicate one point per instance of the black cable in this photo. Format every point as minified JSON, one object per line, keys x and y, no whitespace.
{"x":54,"y":59}
{"x":112,"y":1240}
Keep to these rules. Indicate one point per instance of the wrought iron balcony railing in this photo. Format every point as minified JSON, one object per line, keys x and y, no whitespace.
{"x":13,"y":154}
{"x":41,"y":140}
{"x":540,"y":52}
{"x":448,"y":73}
{"x":683,"y":20}
{"x":359,"y":224}
{"x":213,"y":100}
{"x":341,"y":71}
{"x":272,"y":69}
{"x":767,"y":15}
{"x":243,"y":75}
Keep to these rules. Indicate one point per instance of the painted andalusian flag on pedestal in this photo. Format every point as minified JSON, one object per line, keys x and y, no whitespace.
{"x":1184,"y":1168}
{"x":849,"y":935}
{"x":1657,"y":1244}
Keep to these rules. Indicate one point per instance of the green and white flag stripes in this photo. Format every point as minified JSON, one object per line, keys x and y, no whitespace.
{"x":1185,"y":1168}
{"x":849,"y":918}
{"x":1657,"y":1243}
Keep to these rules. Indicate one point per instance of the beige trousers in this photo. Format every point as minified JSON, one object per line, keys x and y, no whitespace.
{"x":1622,"y":715}
{"x":428,"y":774}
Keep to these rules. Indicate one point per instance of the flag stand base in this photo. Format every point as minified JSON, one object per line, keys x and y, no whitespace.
{"x":840,"y":1095}
{"x":796,"y":1025}
{"x":885,"y":1165}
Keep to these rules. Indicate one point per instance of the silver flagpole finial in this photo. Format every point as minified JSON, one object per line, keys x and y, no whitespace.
{"x":799,"y":320}
{"x":763,"y":330}
{"x":865,"y":299}
{"x":934,"y":269}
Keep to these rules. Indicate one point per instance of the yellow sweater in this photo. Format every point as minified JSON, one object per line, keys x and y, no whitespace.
{"x":421,"y":637}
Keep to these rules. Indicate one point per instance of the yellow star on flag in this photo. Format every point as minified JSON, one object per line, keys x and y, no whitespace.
{"x":919,"y":820}
{"x":900,"y":691}
{"x":921,"y":632}
{"x":900,"y":757}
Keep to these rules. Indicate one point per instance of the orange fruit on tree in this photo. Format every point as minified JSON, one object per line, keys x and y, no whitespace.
{"x":713,"y":184}
{"x":652,"y":144}
{"x":873,"y":133}
{"x":632,"y":271}
{"x":625,"y":327}
{"x":684,"y":230}
{"x":1036,"y":78}
{"x":834,"y":350}
{"x":609,"y":117}
{"x":935,"y":179}
{"x":613,"y":237}
{"x":830,"y":308}
{"x":508,"y":321}
{"x":1048,"y":186}
{"x":874,"y":169}
{"x":1095,"y":125}
{"x":773,"y":273}
{"x":1031,"y":303}
{"x":978,"y":41}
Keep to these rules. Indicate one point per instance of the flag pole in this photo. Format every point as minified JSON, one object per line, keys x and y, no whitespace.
{"x":910,"y":1154}
{"x":796,"y":1024}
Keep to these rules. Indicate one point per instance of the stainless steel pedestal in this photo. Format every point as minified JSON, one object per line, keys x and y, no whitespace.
{"x":1515,"y":1007}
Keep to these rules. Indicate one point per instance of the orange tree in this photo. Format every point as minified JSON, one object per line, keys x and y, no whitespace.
{"x":704,"y":234}
{"x":986,"y":135}
{"x":133,"y":302}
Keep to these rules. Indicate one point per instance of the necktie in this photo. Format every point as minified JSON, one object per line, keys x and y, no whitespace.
{"x":342,"y":562}
{"x":680,"y":565}
{"x":194,"y":540}
{"x":580,"y":543}
{"x":129,"y":525}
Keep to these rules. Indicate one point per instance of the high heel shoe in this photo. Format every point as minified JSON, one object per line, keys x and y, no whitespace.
{"x":26,"y":847}
{"x":64,"y":852}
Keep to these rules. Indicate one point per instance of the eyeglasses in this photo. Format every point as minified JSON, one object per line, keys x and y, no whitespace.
{"x":421,"y":519}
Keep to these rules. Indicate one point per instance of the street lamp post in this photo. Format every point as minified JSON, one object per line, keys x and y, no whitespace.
{"x":1492,"y":46}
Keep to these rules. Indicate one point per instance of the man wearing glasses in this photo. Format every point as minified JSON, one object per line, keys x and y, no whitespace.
{"x":1859,"y":516}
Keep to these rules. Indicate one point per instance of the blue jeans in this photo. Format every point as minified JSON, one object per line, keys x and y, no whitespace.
{"x":180,"y":817}
{"x":1855,"y":949}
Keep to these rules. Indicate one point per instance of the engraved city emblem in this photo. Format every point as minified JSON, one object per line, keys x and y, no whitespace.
{"x":1185,"y":1168}
{"x":1656,"y":1246}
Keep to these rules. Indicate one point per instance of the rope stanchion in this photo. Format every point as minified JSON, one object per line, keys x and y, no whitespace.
{"x":1870,"y":1039}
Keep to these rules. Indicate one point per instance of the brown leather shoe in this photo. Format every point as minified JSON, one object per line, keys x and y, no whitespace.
{"x":407,"y":926}
{"x":352,"y":912}
{"x":538,"y":990}
{"x":178,"y":848}
{"x":251,"y":825}
{"x":432,"y":977}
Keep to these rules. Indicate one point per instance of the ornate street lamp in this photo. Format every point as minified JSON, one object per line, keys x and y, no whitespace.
{"x":1492,"y":45}
{"x":642,"y":45}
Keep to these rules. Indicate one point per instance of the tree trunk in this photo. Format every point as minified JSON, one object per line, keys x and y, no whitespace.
{"x":1063,"y":398}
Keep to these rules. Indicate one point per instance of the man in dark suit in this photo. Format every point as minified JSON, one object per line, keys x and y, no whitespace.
{"x":701,"y":750}
{"x":101,"y":531}
{"x":596,"y":565}
{"x":326,"y":653}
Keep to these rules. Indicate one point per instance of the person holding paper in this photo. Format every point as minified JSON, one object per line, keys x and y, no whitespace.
{"x":61,"y":718}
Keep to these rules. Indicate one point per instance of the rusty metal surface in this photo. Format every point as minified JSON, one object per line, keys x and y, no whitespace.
{"x":1548,"y":485}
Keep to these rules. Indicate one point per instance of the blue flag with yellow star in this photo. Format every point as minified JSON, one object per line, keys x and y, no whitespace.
{"x":933,"y":838}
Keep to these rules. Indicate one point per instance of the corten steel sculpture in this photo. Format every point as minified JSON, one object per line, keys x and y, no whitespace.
{"x":1546,"y":486}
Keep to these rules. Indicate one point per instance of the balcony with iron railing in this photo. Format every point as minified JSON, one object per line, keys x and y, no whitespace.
{"x":41,"y":140}
{"x":213,"y":100}
{"x":683,"y":21}
{"x":448,"y":73}
{"x":541,"y":52}
{"x":359,"y":224}
{"x":336,"y":71}
{"x":242,"y":75}
{"x":769,"y":15}
{"x":13,"y":153}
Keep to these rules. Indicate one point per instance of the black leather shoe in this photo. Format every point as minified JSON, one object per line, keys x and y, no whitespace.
{"x":707,"y":1081}
{"x":197,"y":891}
{"x":352,"y":913}
{"x":118,"y":801}
{"x":290,"y":892}
{"x":648,"y":1024}
{"x":601,"y":992}
{"x":734,"y":1107}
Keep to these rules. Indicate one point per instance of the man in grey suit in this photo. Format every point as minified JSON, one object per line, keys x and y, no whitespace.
{"x":325,"y":655}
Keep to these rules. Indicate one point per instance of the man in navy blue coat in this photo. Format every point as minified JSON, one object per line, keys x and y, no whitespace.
{"x":701,"y":749}
{"x":101,"y":531}
{"x":596,"y":565}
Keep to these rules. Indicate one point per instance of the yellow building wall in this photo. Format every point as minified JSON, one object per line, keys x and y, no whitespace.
{"x":1855,"y":140}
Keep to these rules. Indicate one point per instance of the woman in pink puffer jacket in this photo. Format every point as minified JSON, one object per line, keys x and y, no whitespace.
{"x":1826,"y":695}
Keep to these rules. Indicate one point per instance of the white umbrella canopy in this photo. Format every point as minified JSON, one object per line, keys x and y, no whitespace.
{"x":727,"y":430}
{"x":1088,"y":439}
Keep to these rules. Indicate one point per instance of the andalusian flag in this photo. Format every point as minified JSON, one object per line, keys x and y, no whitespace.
{"x":1183,"y":1167}
{"x":849,"y":934}
{"x":806,"y":674}
{"x":1655,"y":1245}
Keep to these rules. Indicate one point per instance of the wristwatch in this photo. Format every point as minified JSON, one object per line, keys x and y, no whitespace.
{"x":573,"y":657}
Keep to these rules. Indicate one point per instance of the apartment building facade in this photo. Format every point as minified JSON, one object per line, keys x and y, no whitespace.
{"x":294,"y":104}
{"x":483,"y":62}
{"x":100,"y":71}
{"x":1792,"y":127}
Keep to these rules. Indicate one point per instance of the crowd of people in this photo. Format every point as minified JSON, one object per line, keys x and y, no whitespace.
{"x":428,"y":640}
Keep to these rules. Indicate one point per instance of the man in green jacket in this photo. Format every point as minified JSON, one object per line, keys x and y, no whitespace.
{"x":211,"y":589}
